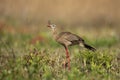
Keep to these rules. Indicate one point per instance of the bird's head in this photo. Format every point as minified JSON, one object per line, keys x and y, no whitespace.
{"x":50,"y":25}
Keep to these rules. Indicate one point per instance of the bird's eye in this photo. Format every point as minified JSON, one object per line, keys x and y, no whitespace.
{"x":54,"y":25}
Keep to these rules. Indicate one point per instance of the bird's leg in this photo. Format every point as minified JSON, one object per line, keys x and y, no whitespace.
{"x":68,"y":58}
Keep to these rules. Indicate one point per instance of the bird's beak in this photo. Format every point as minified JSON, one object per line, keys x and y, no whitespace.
{"x":48,"y":25}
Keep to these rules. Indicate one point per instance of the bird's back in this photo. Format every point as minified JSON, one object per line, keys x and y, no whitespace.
{"x":68,"y":37}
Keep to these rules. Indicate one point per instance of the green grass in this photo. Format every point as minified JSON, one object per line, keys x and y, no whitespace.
{"x":20,"y":60}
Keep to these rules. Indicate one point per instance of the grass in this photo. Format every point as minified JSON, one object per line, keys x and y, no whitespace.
{"x":20,"y":60}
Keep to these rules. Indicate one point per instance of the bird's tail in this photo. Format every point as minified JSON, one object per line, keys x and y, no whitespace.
{"x":89,"y":47}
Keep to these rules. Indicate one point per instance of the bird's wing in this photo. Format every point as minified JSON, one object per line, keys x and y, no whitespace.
{"x":69,"y":36}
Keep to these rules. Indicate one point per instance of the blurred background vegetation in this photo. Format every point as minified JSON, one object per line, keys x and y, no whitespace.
{"x":72,"y":12}
{"x":90,"y":15}
{"x":28,"y":50}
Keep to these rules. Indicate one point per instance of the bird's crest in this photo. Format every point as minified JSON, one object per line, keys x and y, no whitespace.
{"x":49,"y":22}
{"x":51,"y":25}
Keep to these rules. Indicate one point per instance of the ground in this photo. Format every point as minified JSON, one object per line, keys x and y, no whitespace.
{"x":32,"y":54}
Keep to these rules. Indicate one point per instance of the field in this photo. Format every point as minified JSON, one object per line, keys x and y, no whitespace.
{"x":29,"y":52}
{"x":32,"y":54}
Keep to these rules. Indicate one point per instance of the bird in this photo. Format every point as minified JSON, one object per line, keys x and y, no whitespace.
{"x":67,"y":39}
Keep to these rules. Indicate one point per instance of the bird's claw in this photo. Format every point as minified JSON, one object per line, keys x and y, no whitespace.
{"x":65,"y":65}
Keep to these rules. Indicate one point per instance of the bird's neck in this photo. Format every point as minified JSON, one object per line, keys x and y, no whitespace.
{"x":54,"y":32}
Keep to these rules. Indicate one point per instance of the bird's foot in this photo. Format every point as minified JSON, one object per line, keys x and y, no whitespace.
{"x":66,"y":65}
